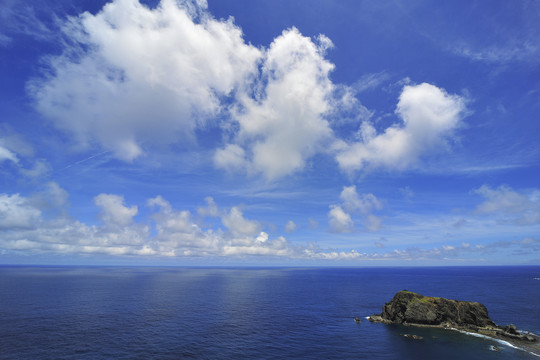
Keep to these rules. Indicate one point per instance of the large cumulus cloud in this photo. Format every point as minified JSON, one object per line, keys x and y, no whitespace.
{"x":284,"y":123}
{"x":132,"y":78}
{"x":131,"y":74}
{"x":429,"y":116}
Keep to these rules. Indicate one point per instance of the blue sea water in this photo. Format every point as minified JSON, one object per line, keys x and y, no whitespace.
{"x":249,"y":313}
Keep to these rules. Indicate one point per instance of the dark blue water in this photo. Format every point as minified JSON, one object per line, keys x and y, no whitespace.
{"x":255,"y":313}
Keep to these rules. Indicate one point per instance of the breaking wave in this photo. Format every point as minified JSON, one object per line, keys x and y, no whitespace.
{"x":502,"y":342}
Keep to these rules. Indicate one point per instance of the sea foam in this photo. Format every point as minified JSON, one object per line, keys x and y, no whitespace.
{"x":502,"y":342}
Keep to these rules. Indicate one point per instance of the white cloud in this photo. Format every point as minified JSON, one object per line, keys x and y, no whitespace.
{"x":178,"y":234}
{"x":231,"y":158}
{"x":56,"y":195}
{"x":14,"y":142}
{"x":372,"y":222}
{"x":134,"y":75}
{"x":353,"y":202}
{"x":448,"y":253}
{"x":211,"y":208}
{"x":5,"y":40}
{"x":238,"y":225}
{"x":7,"y":155}
{"x":275,"y":247}
{"x":128,"y":239}
{"x":340,"y":219}
{"x":14,"y":148}
{"x":502,"y":199}
{"x":445,"y":252}
{"x":338,"y":255}
{"x":17,"y":212}
{"x":40,"y":168}
{"x":429,"y":116}
{"x":160,"y":202}
{"x":51,"y":197}
{"x":517,"y":52}
{"x":451,"y":252}
{"x":262,"y":245}
{"x":371,"y":81}
{"x":113,"y":210}
{"x":18,"y":17}
{"x":346,"y":109}
{"x":284,"y":124}
{"x":177,"y":222}
{"x":509,"y":205}
{"x":262,"y":238}
{"x":406,"y":192}
{"x":25,"y":228}
{"x":290,"y":226}
{"x":133,"y":78}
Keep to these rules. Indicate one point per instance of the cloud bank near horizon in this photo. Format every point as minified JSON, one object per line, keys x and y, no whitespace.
{"x":41,"y":224}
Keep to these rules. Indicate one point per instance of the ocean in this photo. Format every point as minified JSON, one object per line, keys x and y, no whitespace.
{"x":249,"y":313}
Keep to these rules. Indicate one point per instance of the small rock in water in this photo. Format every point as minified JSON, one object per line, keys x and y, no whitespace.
{"x":511,"y":329}
{"x":357,"y":320}
{"x":414,"y":337}
{"x":495,"y":348}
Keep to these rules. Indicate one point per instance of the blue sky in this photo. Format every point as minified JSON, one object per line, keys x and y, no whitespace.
{"x":350,"y":133}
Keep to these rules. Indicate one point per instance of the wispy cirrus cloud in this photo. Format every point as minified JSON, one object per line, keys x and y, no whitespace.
{"x":14,"y":148}
{"x":523,"y":52}
{"x":22,"y":18}
{"x":371,"y":81}
{"x":510,"y":206}
{"x":12,"y":145}
{"x":514,"y":42}
{"x":7,"y":155}
{"x":465,"y":252}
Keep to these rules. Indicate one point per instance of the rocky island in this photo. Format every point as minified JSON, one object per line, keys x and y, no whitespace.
{"x":409,"y":308}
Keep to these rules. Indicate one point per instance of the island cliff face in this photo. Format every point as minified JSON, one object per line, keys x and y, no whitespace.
{"x":409,"y":308}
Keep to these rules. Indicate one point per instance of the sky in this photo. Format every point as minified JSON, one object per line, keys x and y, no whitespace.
{"x":270,"y":132}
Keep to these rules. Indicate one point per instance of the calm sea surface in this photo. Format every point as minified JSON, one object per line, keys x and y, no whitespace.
{"x":248,"y":313}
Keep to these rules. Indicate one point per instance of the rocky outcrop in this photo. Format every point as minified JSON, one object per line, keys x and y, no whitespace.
{"x":412,"y":308}
{"x":409,"y":308}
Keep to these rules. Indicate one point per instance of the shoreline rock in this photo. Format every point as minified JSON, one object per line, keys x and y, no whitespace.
{"x":412,"y":309}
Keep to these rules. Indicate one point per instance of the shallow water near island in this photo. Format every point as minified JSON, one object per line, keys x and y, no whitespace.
{"x":249,"y":313}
